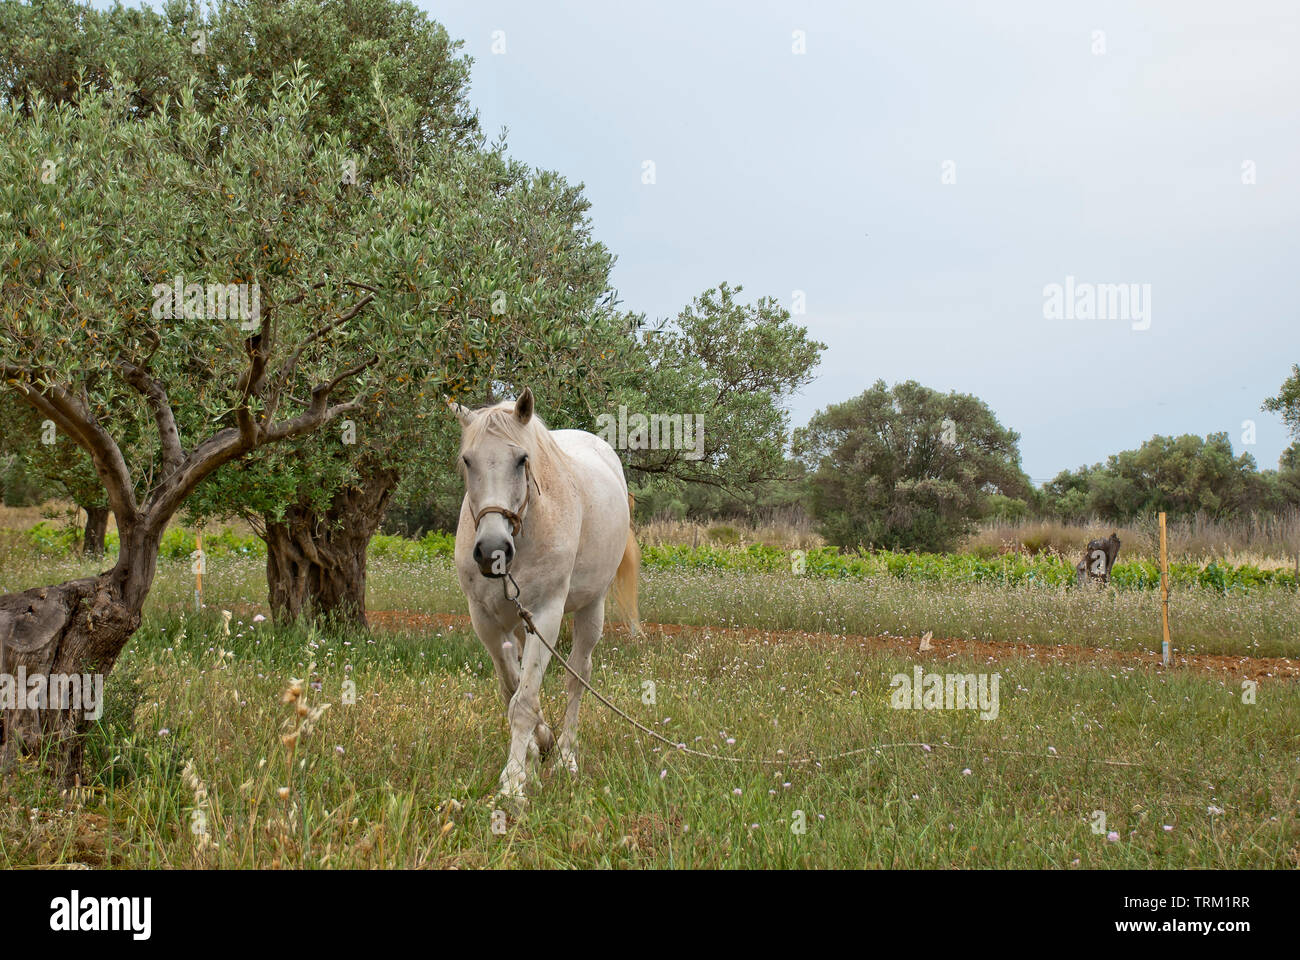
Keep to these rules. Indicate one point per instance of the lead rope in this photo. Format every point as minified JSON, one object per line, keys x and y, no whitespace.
{"x":527,"y":619}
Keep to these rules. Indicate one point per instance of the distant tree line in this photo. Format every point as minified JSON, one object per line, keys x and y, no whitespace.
{"x":911,"y":468}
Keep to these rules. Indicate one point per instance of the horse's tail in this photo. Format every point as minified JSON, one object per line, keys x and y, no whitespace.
{"x":625,"y":580}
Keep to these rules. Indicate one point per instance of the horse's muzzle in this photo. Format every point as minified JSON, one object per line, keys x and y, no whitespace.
{"x":493,"y":556}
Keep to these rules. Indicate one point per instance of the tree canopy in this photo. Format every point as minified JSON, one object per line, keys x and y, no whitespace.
{"x":1182,"y":476}
{"x":906,"y":467}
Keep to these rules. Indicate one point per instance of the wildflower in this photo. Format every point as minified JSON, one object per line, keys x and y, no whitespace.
{"x":1113,"y":837}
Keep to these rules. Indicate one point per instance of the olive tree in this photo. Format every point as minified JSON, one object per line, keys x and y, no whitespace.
{"x":906,"y":467}
{"x":190,"y":269}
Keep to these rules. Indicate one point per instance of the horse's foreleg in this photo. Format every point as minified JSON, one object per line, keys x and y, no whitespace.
{"x":505,"y":659}
{"x":525,"y":711}
{"x":545,"y":739}
{"x":588,"y":624}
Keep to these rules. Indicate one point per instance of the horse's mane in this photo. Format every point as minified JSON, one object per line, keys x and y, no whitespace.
{"x":550,"y":464}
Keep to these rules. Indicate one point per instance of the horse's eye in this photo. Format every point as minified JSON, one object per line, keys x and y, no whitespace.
{"x":522,"y":461}
{"x":465,"y":460}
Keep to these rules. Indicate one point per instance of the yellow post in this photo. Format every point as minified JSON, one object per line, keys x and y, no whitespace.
{"x":1164,"y":591}
{"x":198,"y":572}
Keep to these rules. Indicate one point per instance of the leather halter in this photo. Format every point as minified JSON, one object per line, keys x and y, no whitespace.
{"x":516,"y":517}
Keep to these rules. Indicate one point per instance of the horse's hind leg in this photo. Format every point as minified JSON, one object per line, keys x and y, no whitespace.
{"x":588,"y":623}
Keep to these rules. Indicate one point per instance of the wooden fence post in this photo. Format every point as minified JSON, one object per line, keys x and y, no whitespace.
{"x":1164,"y":592}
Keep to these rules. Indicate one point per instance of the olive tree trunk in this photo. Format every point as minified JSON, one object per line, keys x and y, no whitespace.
{"x":55,"y":641}
{"x":92,"y":544}
{"x":316,"y":561}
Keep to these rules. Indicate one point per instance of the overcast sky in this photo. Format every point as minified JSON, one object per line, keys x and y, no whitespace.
{"x":1111,"y":157}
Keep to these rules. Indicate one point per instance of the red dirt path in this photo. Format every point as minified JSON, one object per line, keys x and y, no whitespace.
{"x":1255,"y":668}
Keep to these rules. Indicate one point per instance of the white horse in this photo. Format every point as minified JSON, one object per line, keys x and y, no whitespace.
{"x":550,"y":508}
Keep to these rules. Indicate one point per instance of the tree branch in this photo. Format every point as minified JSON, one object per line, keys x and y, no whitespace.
{"x":234,"y":442}
{"x":156,"y":395}
{"x":73,"y":416}
{"x":291,"y":362}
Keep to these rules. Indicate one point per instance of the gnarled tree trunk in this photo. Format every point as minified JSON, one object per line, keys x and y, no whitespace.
{"x":92,"y":544}
{"x":49,"y":635}
{"x":316,"y":562}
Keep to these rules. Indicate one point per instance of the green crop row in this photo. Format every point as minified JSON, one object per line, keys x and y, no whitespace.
{"x":828,"y":562}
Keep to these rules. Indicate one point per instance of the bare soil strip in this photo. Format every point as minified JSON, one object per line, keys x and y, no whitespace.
{"x":1253,"y":668}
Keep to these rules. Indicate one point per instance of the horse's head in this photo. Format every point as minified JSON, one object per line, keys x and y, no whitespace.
{"x":495,"y":449}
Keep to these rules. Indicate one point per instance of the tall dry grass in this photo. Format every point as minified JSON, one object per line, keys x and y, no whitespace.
{"x":1266,"y":540}
{"x":786,"y":528}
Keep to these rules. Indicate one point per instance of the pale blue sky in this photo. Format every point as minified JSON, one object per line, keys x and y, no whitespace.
{"x":822,"y":173}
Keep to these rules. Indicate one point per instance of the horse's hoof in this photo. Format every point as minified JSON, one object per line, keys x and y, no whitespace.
{"x":515,"y":803}
{"x":511,"y":795}
{"x":570,"y":761}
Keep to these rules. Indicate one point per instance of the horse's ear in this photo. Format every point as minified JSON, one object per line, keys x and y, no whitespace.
{"x":463,"y":414}
{"x":524,"y":406}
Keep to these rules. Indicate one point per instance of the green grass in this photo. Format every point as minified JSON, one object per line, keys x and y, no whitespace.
{"x":1260,"y":622}
{"x":428,"y":729}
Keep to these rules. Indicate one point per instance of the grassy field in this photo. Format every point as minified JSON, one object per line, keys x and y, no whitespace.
{"x":190,"y":767}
